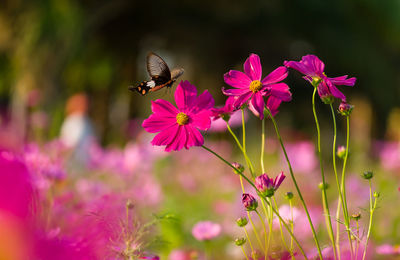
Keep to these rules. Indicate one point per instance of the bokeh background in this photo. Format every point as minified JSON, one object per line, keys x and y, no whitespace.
{"x":51,"y":50}
{"x":99,"y":47}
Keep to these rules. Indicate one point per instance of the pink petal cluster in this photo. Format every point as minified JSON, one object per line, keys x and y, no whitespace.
{"x":248,"y":88}
{"x":206,"y":230}
{"x":313,"y":69}
{"x":179,"y":127}
{"x":267,"y":185}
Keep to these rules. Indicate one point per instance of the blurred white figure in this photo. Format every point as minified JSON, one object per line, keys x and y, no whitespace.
{"x":76,"y":131}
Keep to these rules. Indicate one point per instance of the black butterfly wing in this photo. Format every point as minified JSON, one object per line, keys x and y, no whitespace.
{"x":157,"y":67}
{"x":143,"y":88}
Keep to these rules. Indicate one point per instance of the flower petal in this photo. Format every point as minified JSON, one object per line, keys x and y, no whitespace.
{"x":300,"y":67}
{"x":164,"y":108}
{"x":156,"y":123}
{"x":179,"y":140}
{"x":201,"y":120}
{"x":235,"y":91}
{"x":343,"y":80}
{"x":258,"y":103}
{"x":314,"y":63}
{"x":280,"y":91}
{"x":185,"y":95}
{"x":277,"y":75}
{"x":203,"y":101}
{"x":166,"y":136}
{"x":194,"y":137}
{"x":243,"y":99}
{"x":252,"y":67}
{"x":237,"y":79}
{"x":273,"y":104}
{"x":335,"y":92}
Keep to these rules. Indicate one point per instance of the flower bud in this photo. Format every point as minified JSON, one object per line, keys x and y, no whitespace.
{"x":345,"y":108}
{"x":129,"y":204}
{"x":376,"y":194}
{"x":238,"y":166}
{"x":327,"y":99}
{"x":368,"y":175}
{"x":249,"y":202}
{"x":240,"y":241}
{"x":356,"y":217}
{"x":321,"y":186}
{"x":289,"y":195}
{"x":341,"y":152}
{"x":241,"y":222}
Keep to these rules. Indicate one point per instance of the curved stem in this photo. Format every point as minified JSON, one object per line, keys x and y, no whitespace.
{"x":248,"y":214}
{"x":340,"y":199}
{"x":250,"y":165}
{"x":324,"y":197}
{"x":262,"y":145}
{"x":291,"y":226}
{"x":262,"y":197}
{"x":343,"y":203}
{"x":244,"y":252}
{"x":295,"y":184}
{"x":265,"y":234}
{"x":371,"y":213}
{"x":248,"y":238}
{"x":280,"y":227}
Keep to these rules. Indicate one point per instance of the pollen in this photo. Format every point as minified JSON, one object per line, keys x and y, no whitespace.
{"x":182,"y":118}
{"x":255,"y":86}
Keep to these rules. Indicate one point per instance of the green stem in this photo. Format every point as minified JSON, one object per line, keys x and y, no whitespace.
{"x":248,"y":239}
{"x":295,"y":184}
{"x":249,"y":164}
{"x":357,"y":239}
{"x":371,"y":213}
{"x":265,"y":234}
{"x":340,"y":199}
{"x":343,"y":203}
{"x":244,"y":252}
{"x":248,"y":214}
{"x":324,"y":197}
{"x":291,"y":226}
{"x":280,"y":227}
{"x":262,"y":197}
{"x":262,"y":144}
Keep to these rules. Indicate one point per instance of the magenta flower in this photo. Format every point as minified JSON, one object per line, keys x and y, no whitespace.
{"x":250,"y":89}
{"x":226,"y":111}
{"x":313,"y":69}
{"x":179,"y":127}
{"x":206,"y":230}
{"x":249,"y":202}
{"x":267,"y":186}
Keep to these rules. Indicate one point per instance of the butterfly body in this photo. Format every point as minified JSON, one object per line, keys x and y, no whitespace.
{"x":160,"y":75}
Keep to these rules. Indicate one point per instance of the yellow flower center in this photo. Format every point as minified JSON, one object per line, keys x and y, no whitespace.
{"x":255,"y":86}
{"x":182,"y":118}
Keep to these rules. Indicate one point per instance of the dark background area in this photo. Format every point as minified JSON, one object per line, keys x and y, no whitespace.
{"x":61,"y":47}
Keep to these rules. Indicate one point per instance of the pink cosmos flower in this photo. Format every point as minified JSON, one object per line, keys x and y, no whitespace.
{"x":206,"y":230}
{"x":267,"y":185}
{"x":250,"y":89}
{"x":313,"y":69}
{"x":179,"y":127}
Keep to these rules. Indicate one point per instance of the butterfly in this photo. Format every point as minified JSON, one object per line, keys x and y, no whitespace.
{"x":160,"y":75}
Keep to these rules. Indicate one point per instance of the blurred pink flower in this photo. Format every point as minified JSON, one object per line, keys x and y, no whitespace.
{"x":301,"y":155}
{"x":389,"y":154}
{"x":206,"y":230}
{"x":313,"y":69}
{"x":179,"y":127}
{"x":250,"y":89}
{"x":16,"y":191}
{"x":387,"y":249}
